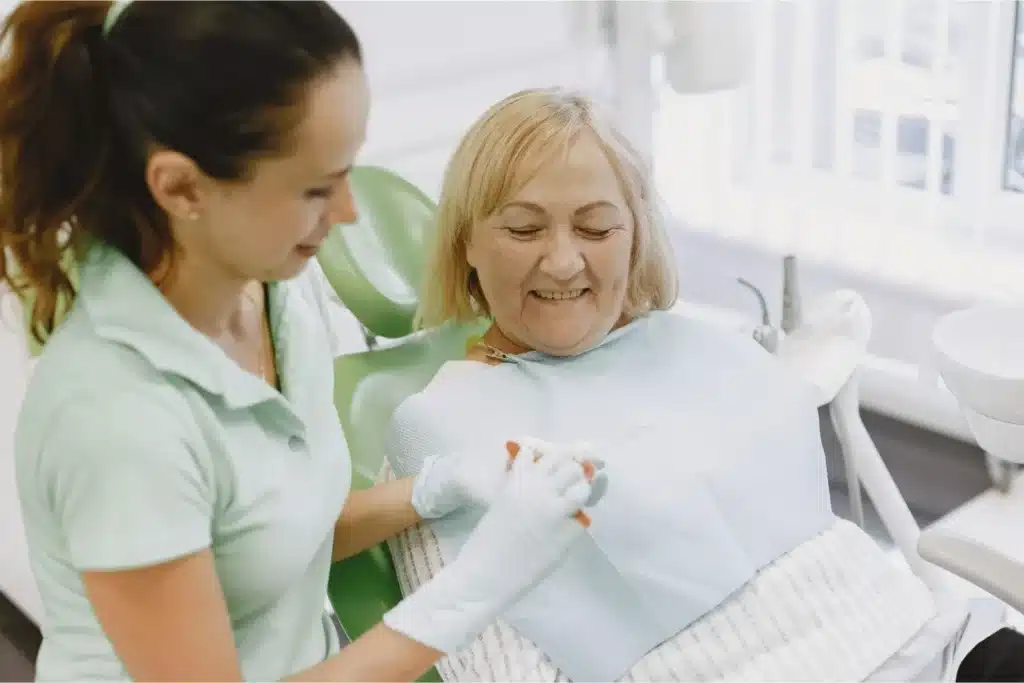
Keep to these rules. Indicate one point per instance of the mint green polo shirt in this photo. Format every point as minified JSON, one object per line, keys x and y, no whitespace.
{"x":140,"y":441}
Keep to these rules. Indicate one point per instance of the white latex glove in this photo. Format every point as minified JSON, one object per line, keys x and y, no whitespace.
{"x":446,"y":483}
{"x":526,"y":532}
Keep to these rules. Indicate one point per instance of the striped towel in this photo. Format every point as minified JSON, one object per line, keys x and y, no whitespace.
{"x":835,"y":608}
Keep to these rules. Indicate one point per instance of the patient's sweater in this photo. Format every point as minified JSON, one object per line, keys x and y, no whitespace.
{"x":716,"y":477}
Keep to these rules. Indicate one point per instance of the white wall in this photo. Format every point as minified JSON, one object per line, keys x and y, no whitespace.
{"x":16,"y":579}
{"x":434,"y":67}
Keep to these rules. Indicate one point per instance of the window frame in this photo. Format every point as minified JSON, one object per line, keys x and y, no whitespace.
{"x":978,"y":210}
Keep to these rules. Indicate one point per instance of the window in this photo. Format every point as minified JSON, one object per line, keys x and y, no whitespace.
{"x":1013,"y":179}
{"x":881,"y":137}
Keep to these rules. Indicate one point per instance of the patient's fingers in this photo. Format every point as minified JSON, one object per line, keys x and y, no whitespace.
{"x":565,"y":473}
{"x":598,"y":487}
{"x":589,"y":470}
{"x":513,"y":449}
{"x":577,"y":495}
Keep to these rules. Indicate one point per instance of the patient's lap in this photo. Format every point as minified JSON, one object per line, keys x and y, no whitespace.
{"x":835,"y":608}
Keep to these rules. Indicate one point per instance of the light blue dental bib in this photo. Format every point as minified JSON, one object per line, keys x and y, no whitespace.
{"x":715,"y":469}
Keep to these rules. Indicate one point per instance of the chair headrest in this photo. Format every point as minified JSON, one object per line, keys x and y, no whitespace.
{"x":375,"y":265}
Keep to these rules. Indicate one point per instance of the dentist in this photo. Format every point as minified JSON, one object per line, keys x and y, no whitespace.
{"x":184,"y":480}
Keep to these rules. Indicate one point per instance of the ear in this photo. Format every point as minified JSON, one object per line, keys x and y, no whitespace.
{"x":471,"y":252}
{"x":175,"y":183}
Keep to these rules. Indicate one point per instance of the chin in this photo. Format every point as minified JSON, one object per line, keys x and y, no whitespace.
{"x":564,"y":348}
{"x":292,"y":268}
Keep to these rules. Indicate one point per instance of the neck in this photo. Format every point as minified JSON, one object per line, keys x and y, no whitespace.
{"x":206,"y":296}
{"x":496,"y":338}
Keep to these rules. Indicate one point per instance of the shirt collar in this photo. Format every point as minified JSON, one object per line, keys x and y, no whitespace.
{"x":126,"y":307}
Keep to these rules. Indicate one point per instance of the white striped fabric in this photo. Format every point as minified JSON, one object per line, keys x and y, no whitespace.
{"x":836,"y":608}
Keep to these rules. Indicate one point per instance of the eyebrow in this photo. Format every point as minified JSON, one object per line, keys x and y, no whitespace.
{"x":539,"y":209}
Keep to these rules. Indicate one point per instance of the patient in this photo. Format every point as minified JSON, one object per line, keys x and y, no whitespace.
{"x":714,"y":553}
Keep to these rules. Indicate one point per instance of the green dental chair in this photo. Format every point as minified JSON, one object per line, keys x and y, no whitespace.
{"x":375,"y":266}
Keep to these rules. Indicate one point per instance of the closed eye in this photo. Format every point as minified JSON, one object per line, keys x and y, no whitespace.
{"x":523,"y":231}
{"x":320,"y":192}
{"x":596,"y":234}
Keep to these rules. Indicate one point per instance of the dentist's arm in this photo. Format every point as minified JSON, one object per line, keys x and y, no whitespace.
{"x":525,"y":533}
{"x":443,"y":484}
{"x":374,"y":515}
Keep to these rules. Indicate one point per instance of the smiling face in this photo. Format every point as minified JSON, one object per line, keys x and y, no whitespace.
{"x":268,"y":225}
{"x":553,"y":261}
{"x":275,"y":223}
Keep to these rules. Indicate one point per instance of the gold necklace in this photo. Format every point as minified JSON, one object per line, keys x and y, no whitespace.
{"x":262,"y":351}
{"x":495,"y":354}
{"x":489,"y":351}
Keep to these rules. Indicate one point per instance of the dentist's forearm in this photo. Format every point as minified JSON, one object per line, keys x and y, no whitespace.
{"x":372,"y":516}
{"x":380,"y":654}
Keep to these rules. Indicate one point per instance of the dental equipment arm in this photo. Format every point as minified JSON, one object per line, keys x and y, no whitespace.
{"x":977,"y":563}
{"x":826,"y":349}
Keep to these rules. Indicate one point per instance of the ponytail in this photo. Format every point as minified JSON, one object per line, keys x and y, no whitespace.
{"x":81,"y":110}
{"x":55,"y":139}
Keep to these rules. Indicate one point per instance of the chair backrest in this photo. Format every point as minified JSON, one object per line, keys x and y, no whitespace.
{"x":375,"y":265}
{"x":368,"y":388}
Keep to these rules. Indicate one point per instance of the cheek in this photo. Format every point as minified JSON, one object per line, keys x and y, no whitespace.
{"x":503,"y":267}
{"x":610,"y":263}
{"x":288,"y":222}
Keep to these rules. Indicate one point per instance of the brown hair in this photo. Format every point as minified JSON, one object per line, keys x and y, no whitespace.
{"x":82,"y":107}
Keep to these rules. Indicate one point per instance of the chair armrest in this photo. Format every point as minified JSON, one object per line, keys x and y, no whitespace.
{"x":989,"y":569}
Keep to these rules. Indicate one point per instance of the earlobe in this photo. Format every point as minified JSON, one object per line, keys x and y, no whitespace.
{"x":174,"y":181}
{"x":470,"y":255}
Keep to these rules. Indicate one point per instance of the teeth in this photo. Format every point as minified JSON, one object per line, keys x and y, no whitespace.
{"x":558,"y":296}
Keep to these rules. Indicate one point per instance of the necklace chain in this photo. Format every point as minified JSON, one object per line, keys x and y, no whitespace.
{"x":262,"y":352}
{"x":495,"y":354}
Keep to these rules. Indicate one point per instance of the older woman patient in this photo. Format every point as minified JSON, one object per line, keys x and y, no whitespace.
{"x":714,"y":553}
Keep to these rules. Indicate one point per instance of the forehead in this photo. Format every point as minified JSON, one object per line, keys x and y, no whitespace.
{"x":582,"y":174}
{"x":334,"y":123}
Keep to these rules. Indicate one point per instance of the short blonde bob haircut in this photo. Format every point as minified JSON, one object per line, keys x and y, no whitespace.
{"x":497,"y":157}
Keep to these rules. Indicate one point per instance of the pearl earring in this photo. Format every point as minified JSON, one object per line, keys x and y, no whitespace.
{"x":193,"y":215}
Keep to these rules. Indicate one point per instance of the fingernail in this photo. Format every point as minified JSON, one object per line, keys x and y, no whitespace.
{"x":589,"y":470}
{"x":513,"y":449}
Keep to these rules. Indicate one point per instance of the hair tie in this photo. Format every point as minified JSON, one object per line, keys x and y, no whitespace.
{"x":115,"y":11}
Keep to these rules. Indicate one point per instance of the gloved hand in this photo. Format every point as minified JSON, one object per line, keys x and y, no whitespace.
{"x":448,"y":482}
{"x":527,"y":530}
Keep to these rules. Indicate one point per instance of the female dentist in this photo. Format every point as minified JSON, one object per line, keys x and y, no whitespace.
{"x":184,"y":480}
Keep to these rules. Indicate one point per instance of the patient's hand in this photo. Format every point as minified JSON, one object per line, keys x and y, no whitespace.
{"x":472,"y":478}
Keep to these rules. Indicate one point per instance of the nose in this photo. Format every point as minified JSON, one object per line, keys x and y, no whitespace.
{"x":562,"y":260}
{"x":342,"y":207}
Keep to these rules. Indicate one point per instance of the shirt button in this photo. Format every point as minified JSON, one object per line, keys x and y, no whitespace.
{"x":295,"y":442}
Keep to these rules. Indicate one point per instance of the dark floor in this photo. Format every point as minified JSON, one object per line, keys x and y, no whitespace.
{"x":19,"y":641}
{"x":934,"y":474}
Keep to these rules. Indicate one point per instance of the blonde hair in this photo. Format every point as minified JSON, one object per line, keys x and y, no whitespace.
{"x":495,"y":159}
